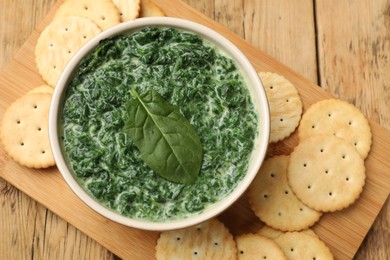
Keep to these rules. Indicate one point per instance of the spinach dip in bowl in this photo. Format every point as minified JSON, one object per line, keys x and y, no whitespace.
{"x":189,"y":69}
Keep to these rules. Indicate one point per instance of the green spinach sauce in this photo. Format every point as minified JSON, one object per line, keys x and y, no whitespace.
{"x":188,"y":72}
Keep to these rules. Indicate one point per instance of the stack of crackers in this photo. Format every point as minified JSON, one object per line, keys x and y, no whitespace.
{"x":24,"y":127}
{"x":324,"y":173}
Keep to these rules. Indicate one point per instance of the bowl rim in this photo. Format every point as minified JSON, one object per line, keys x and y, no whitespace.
{"x":255,"y":88}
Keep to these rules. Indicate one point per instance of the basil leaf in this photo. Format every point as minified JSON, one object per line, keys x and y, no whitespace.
{"x":167,"y":141}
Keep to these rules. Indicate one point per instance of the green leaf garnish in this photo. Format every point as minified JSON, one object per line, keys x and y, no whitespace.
{"x":167,"y":141}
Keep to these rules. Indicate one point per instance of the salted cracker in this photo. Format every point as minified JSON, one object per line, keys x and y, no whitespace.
{"x":42,"y":89}
{"x":128,"y":9}
{"x":284,"y":103}
{"x":103,"y":12}
{"x":209,"y":240}
{"x":149,"y":9}
{"x":339,"y":118}
{"x":274,"y":203}
{"x":299,"y":245}
{"x":24,"y":131}
{"x":253,"y":246}
{"x":57,"y":44}
{"x":326,"y":172}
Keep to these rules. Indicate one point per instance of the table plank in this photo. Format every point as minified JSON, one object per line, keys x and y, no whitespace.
{"x":354,"y":52}
{"x":285,"y":30}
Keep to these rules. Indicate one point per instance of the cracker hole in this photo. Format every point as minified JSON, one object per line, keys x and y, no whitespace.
{"x":330,"y":193}
{"x":314,"y":258}
{"x":39,"y":129}
{"x":69,"y":51}
{"x":281,"y":120}
{"x":321,"y":150}
{"x":35,"y":106}
{"x":195,"y":253}
{"x":279,"y":214}
{"x":329,"y":114}
{"x":343,"y":156}
{"x":216,"y":243}
{"x":326,"y":171}
{"x":18,"y":122}
{"x":85,"y":36}
{"x":198,"y":228}
{"x":304,"y":165}
{"x":178,"y":238}
{"x":355,"y":143}
{"x":103,"y":18}
{"x":54,"y":66}
{"x":43,"y":151}
{"x":265,"y":196}
{"x":241,"y":252}
{"x":347,"y":179}
{"x":313,"y":126}
{"x":264,"y":257}
{"x":21,"y":144}
{"x":51,"y":45}
{"x":287,"y":100}
{"x":300,"y":209}
{"x":66,"y":29}
{"x":309,"y":186}
{"x":272,"y":175}
{"x":350,"y":123}
{"x":292,"y":249}
{"x":286,"y":192}
{"x":121,"y":14}
{"x":85,"y":7}
{"x":271,"y":87}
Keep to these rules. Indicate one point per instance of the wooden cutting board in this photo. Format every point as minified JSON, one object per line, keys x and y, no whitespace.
{"x":343,"y":231}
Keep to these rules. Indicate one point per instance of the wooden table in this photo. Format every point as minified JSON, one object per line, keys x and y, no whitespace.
{"x":343,"y":46}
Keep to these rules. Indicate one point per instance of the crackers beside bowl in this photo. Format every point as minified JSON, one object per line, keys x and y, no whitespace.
{"x":334,"y":137}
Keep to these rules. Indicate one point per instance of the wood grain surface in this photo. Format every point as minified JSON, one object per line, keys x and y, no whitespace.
{"x":343,"y":46}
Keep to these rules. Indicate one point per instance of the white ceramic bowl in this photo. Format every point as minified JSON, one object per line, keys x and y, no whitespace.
{"x":256,"y":90}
